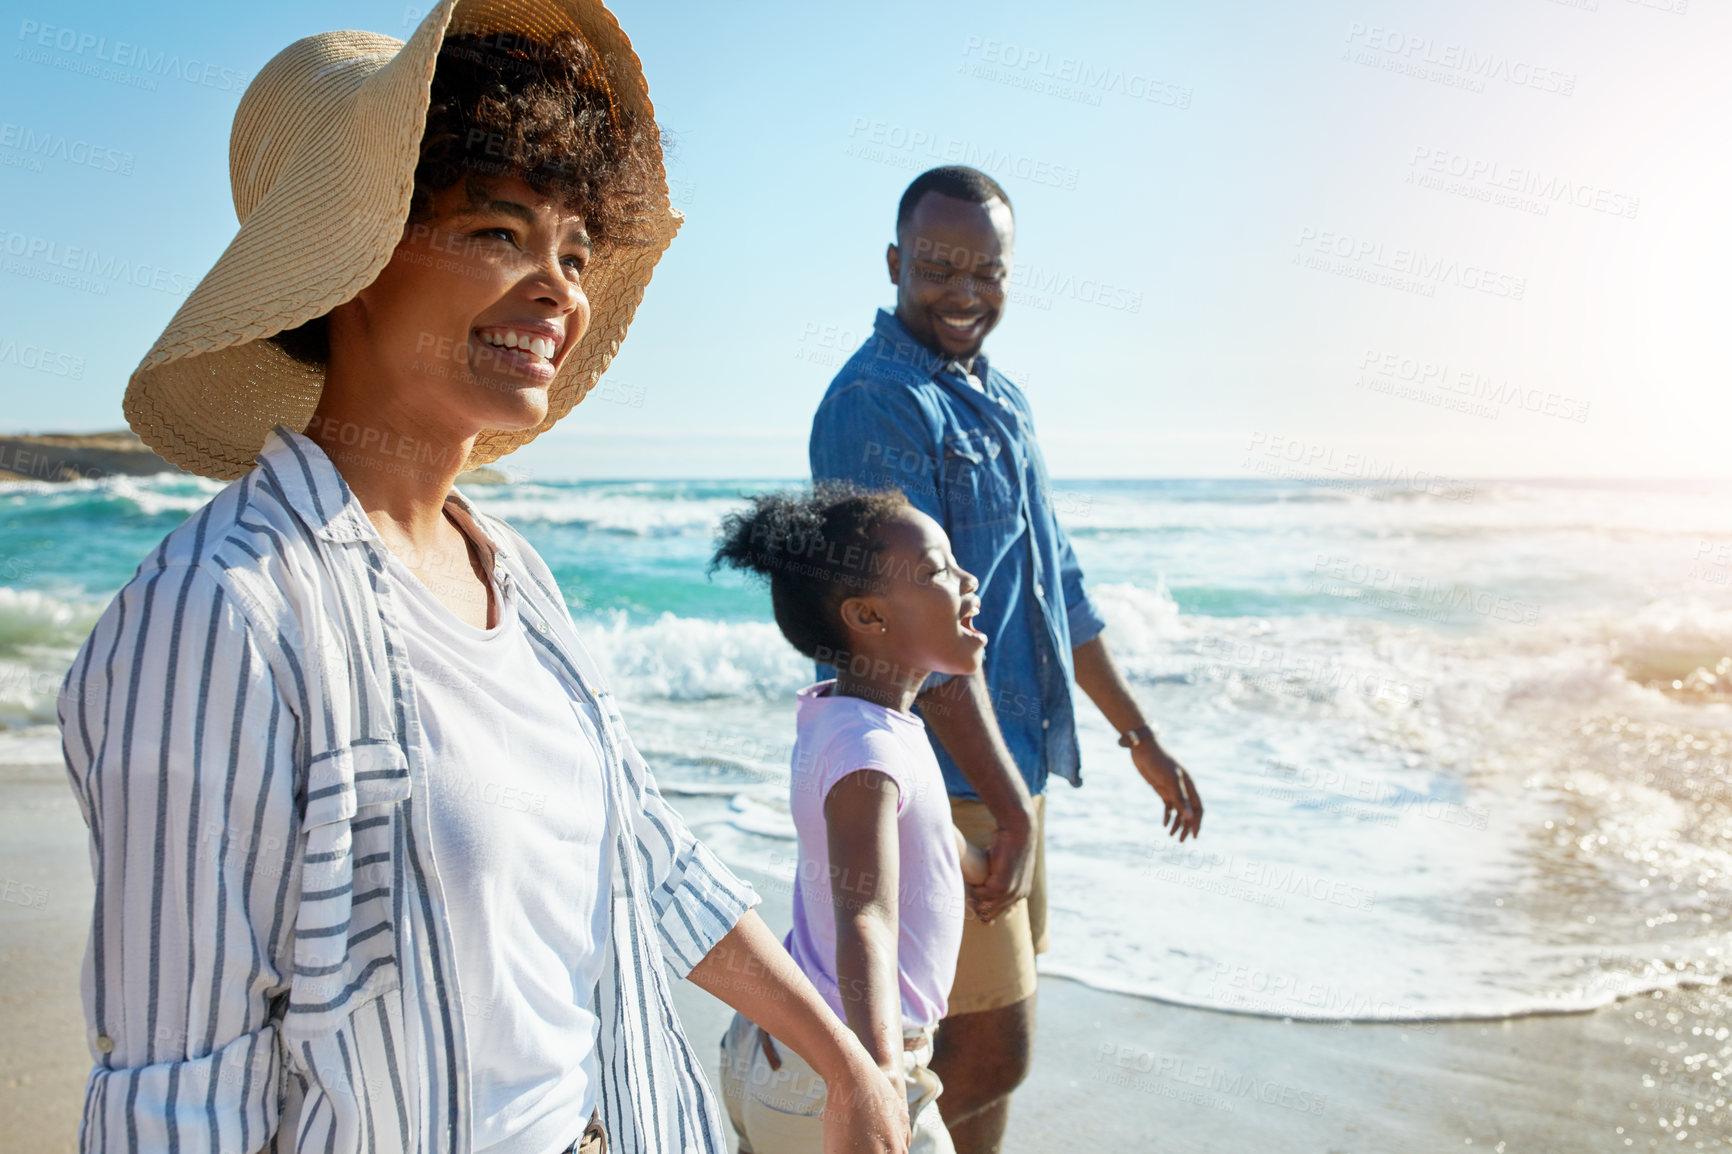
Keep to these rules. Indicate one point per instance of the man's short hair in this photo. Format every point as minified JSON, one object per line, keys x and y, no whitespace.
{"x":953,"y":180}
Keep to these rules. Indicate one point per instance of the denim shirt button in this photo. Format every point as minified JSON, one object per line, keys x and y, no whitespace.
{"x":1046,"y":723}
{"x":1038,"y":591}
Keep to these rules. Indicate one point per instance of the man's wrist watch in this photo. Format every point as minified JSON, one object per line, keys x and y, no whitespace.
{"x":1134,"y":737}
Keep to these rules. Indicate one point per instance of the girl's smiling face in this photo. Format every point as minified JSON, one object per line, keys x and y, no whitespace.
{"x":923,"y":614}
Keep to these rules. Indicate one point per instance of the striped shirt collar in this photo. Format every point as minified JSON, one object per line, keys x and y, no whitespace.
{"x":243,"y":719}
{"x":313,"y":487}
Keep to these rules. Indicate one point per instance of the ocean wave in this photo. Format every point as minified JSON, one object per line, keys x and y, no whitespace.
{"x":39,"y":636}
{"x":1579,"y":1000}
{"x":686,"y":658}
{"x":1678,"y":647}
{"x":117,"y":496}
{"x":30,"y":618}
{"x":1142,"y":622}
{"x":632,"y":514}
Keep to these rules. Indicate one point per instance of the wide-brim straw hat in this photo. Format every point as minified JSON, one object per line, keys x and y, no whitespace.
{"x":322,"y":163}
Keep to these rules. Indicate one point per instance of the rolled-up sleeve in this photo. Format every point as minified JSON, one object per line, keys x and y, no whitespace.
{"x":180,"y":752}
{"x":695,"y":898}
{"x":1083,"y":615}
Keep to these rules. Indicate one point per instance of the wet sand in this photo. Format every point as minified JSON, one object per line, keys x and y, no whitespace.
{"x":1112,"y":1073}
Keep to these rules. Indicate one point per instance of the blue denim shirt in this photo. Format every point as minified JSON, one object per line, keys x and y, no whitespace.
{"x":898,"y":414}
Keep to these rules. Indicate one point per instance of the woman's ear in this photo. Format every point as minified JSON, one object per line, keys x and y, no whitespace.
{"x":863,"y":615}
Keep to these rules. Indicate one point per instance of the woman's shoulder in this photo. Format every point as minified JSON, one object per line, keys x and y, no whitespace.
{"x":242,"y":548}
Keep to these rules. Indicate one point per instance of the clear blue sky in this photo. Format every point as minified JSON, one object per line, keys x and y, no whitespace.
{"x":1205,"y":207}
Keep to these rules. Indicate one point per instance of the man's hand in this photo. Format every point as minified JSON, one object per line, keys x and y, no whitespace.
{"x":1184,"y":815}
{"x":959,"y":713}
{"x":1010,"y":870}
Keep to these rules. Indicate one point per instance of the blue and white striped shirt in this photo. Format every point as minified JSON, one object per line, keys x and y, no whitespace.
{"x":270,"y":963}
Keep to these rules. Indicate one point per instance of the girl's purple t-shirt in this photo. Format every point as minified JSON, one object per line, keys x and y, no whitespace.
{"x":837,"y":736}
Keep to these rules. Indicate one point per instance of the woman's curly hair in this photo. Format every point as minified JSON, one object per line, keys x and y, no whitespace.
{"x":505,"y":105}
{"x":816,"y":549}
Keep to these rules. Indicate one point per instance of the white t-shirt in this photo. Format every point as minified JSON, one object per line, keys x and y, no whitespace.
{"x":514,"y":767}
{"x":839,"y":735}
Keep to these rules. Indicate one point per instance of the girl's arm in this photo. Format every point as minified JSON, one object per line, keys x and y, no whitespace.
{"x":750,"y":971}
{"x":860,"y":812}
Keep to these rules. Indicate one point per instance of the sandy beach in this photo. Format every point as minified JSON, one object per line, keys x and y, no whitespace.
{"x":1111,"y":1072}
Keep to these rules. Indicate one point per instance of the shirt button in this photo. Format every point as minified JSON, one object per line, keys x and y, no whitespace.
{"x":1046,"y":723}
{"x":1039,"y":591}
{"x":105,"y":1043}
{"x":541,"y":627}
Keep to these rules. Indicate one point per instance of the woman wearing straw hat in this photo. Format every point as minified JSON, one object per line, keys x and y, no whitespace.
{"x":377,"y":866}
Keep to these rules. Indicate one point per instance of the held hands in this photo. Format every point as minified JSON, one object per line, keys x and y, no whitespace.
{"x":1010,"y":872}
{"x":1184,"y":812}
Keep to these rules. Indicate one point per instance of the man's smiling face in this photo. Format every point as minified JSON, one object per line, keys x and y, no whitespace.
{"x":951,"y":265}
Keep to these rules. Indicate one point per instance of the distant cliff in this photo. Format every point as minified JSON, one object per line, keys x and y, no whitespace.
{"x":78,"y":457}
{"x":92,"y":456}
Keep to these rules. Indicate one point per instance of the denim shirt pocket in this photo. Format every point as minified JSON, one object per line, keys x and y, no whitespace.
{"x":977,"y":482}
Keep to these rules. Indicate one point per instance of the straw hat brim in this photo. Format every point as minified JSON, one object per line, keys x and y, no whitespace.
{"x":322,"y":163}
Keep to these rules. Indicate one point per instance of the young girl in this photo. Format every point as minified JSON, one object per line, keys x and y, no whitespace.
{"x":866,"y":582}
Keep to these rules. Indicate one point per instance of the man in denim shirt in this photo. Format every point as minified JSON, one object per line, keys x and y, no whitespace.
{"x":919,"y":407}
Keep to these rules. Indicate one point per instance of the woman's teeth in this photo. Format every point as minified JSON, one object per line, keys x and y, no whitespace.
{"x":542,"y":347}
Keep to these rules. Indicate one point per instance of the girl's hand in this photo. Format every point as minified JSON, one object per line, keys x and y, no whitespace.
{"x":866,"y":1113}
{"x":975,"y":864}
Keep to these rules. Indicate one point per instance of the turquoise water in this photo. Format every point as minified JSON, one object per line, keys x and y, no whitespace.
{"x":1464,"y":753}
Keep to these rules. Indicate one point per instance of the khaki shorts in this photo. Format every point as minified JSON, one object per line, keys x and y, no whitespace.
{"x":781,"y":1111}
{"x":996,"y":965}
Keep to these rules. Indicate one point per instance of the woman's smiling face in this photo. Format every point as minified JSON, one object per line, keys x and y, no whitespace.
{"x":481,"y":303}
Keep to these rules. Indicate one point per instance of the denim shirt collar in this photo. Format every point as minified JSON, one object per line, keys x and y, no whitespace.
{"x":907,"y":350}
